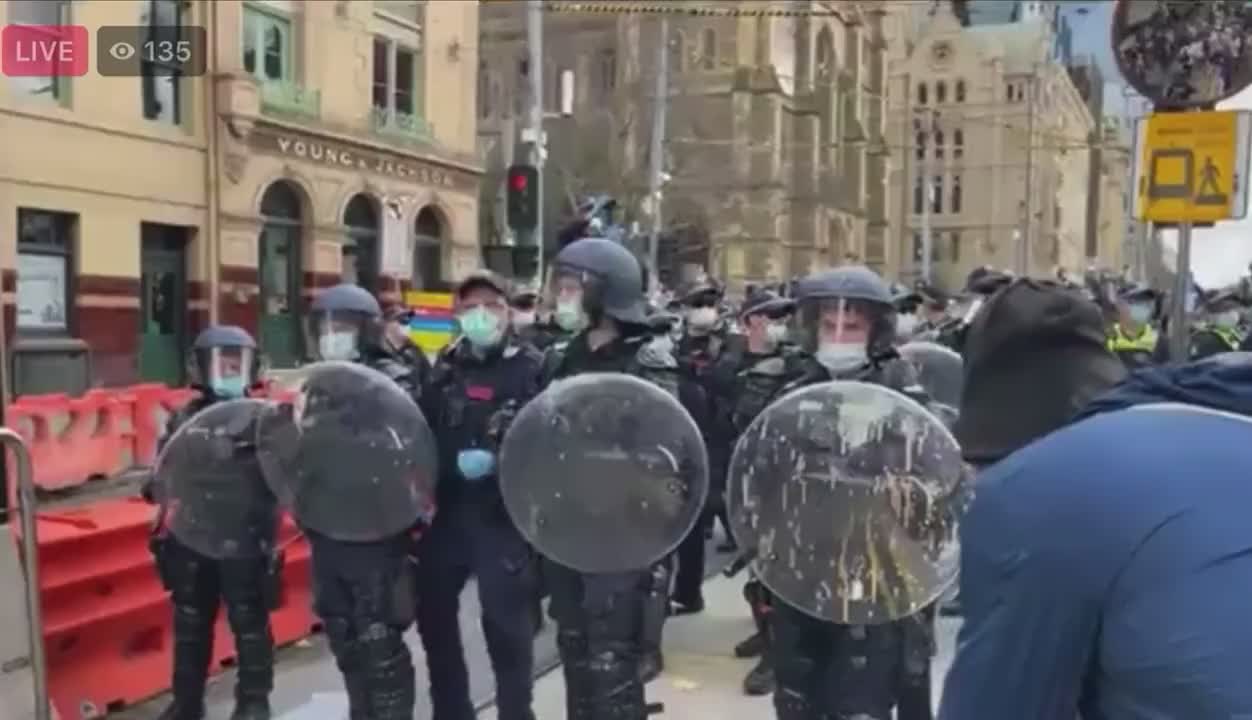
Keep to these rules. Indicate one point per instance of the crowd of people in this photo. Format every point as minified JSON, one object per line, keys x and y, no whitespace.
{"x":1186,"y":52}
{"x":1064,"y":484}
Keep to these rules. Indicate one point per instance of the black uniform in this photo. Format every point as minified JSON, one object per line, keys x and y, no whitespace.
{"x":365,"y":592}
{"x":469,"y":402}
{"x":828,"y":671}
{"x":198,"y":585}
{"x":697,"y":356}
{"x":608,"y":622}
{"x":752,"y":382}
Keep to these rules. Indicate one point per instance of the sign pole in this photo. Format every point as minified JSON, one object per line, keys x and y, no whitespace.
{"x":1179,"y":333}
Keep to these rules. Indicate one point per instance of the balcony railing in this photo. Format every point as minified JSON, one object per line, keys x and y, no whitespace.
{"x":404,"y":127}
{"x":286,"y":98}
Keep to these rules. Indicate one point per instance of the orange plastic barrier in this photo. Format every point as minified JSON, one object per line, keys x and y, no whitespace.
{"x":103,"y":433}
{"x":107,"y":619}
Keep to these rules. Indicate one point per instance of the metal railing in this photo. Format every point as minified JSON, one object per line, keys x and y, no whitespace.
{"x":30,"y":565}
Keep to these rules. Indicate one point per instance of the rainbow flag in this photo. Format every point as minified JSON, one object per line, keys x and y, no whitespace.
{"x":432,"y":326}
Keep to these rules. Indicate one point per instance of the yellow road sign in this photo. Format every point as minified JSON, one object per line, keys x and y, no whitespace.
{"x":1192,"y":167}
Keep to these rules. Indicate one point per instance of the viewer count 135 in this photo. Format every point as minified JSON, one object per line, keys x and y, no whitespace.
{"x":121,"y":51}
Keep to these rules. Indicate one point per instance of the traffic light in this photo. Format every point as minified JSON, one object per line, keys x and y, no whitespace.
{"x":523,"y":199}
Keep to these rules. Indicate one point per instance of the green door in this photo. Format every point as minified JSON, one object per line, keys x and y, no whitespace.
{"x":163,"y":305}
{"x":279,"y":323}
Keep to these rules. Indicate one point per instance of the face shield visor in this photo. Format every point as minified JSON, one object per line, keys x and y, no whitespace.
{"x":837,"y":331}
{"x":227,"y":371}
{"x":336,"y":334}
{"x":570,"y":293}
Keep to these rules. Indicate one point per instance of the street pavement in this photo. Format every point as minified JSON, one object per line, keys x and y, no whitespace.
{"x":702,"y":678}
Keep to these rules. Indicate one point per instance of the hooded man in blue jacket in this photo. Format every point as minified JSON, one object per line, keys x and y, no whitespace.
{"x":1106,"y":567}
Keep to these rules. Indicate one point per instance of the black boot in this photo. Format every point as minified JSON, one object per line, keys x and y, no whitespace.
{"x":751,"y":646}
{"x":175,"y":711}
{"x":760,"y":680}
{"x":251,"y":710}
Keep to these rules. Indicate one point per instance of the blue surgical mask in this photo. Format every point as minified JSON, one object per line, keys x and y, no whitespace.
{"x":1141,"y":313}
{"x":475,"y":463}
{"x":229,"y":388}
{"x":569,"y":315}
{"x":337,"y":346}
{"x":481,"y":327}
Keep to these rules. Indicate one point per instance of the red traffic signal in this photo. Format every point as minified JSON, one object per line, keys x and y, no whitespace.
{"x":523,"y":197}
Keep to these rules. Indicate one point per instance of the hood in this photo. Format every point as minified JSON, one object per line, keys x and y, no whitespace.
{"x":1221,"y":382}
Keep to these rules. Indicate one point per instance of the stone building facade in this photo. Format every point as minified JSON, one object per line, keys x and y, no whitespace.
{"x":325,"y":140}
{"x":774,"y":146}
{"x":992,"y":134}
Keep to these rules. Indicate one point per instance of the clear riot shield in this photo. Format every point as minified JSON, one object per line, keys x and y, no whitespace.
{"x":940,"y":370}
{"x":352,"y":455}
{"x":604,"y":472}
{"x":213,"y":496}
{"x":847,"y":495}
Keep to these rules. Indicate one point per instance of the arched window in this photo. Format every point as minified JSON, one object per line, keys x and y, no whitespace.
{"x":941,"y":93}
{"x":360,"y":245}
{"x":708,"y":49}
{"x":279,"y":273}
{"x":956,"y":193}
{"x":484,"y":90}
{"x":958,"y":143}
{"x":825,"y":58}
{"x":960,"y":91}
{"x":922,"y":94}
{"x":939,"y":144}
{"x":428,"y":250}
{"x":677,"y":52}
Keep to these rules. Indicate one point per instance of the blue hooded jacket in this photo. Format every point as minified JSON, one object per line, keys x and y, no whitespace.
{"x":1107,"y":567}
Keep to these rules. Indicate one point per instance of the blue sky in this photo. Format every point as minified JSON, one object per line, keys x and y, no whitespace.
{"x":1221,"y":254}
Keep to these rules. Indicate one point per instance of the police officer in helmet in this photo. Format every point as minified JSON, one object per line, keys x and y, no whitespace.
{"x":365,"y":592}
{"x":845,"y":329}
{"x":225,"y":366}
{"x":608,"y":624}
{"x":478,"y":384}
{"x":750,"y":374}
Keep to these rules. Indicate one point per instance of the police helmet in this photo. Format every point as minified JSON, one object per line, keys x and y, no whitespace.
{"x":343,"y":315}
{"x":863,"y":288}
{"x":610,"y":276}
{"x":225,"y":360}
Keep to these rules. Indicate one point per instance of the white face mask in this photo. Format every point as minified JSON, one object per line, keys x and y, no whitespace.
{"x":702,"y":318}
{"x":337,"y":346}
{"x":569,"y":314}
{"x":906,"y":324}
{"x":776,"y":332}
{"x":523,"y":319}
{"x":840,"y":357}
{"x":1228,"y":319}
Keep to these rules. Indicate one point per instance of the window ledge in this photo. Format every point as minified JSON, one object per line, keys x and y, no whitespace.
{"x":287,"y":98}
{"x":409,"y":129}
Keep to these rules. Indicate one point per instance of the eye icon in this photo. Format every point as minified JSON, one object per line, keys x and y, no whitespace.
{"x":122,"y":51}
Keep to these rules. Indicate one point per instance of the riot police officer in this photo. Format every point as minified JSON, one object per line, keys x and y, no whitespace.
{"x":608,"y":626}
{"x":1221,"y":332}
{"x":750,"y":374}
{"x":225,"y":366}
{"x":699,"y":348}
{"x":365,"y":591}
{"x":1132,"y":338}
{"x":478,"y":383}
{"x":845,"y":329}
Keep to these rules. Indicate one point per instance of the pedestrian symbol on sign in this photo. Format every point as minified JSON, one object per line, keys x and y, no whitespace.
{"x":1209,"y":192}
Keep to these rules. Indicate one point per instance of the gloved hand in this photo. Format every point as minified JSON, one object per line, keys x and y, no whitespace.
{"x":500,"y":421}
{"x":475,"y":463}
